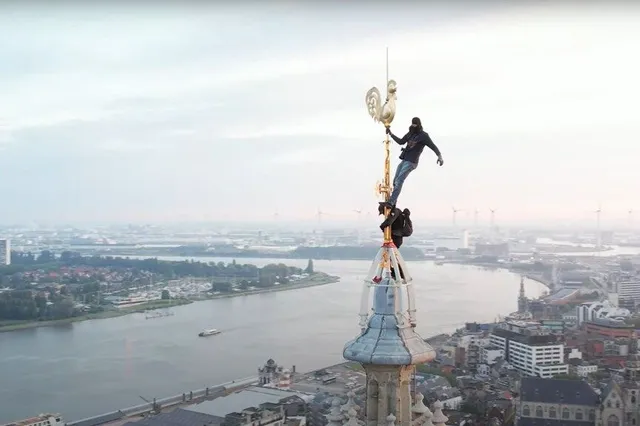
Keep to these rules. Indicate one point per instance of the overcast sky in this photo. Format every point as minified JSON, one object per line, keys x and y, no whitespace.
{"x":131,"y":113}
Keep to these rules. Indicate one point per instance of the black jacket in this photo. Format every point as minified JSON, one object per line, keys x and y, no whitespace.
{"x":401,"y":225}
{"x":415,"y":143}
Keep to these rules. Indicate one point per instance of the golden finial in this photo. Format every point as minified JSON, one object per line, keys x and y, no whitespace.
{"x":384,"y":113}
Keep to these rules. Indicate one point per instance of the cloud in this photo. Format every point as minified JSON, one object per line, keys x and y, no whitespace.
{"x":164,"y":112}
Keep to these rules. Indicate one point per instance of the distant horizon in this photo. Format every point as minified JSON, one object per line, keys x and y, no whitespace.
{"x":421,"y":224}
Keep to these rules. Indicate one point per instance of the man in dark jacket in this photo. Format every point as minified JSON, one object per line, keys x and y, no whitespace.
{"x":401,"y":226}
{"x":415,"y":142}
{"x":400,"y":222}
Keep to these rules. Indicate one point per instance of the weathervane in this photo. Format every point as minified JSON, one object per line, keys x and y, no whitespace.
{"x":384,"y":113}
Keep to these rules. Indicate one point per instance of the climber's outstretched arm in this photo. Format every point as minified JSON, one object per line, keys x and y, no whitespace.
{"x":400,"y":141}
{"x":426,"y":139}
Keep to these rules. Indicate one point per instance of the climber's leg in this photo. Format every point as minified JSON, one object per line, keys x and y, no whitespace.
{"x":402,"y":171}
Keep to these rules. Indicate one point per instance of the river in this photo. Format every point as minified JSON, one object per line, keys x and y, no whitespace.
{"x":91,"y":367}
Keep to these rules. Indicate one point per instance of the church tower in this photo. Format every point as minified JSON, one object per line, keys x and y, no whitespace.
{"x":388,"y":346}
{"x":523,"y":303}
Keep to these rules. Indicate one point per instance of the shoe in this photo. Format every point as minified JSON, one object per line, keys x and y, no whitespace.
{"x":383,"y":204}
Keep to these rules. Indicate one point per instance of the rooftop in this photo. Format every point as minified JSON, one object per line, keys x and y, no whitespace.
{"x":31,"y":420}
{"x":609,"y":323}
{"x":556,"y":391}
{"x":180,"y":417}
{"x":348,"y":376}
{"x":531,"y":340}
{"x":242,"y":400}
{"x":532,"y":421}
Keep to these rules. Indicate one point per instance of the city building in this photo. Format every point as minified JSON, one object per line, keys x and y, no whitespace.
{"x":600,"y":310}
{"x":41,"y":420}
{"x":608,"y":328}
{"x":465,"y":239}
{"x":249,"y":407}
{"x":388,"y":347}
{"x":274,"y":375}
{"x":530,"y":348}
{"x":556,"y":402}
{"x":5,"y":252}
{"x":575,"y":279}
{"x":555,"y":326}
{"x":469,"y":349}
{"x":570,"y":320}
{"x":489,"y":354}
{"x":620,"y":401}
{"x":629,"y":289}
{"x":581,"y":368}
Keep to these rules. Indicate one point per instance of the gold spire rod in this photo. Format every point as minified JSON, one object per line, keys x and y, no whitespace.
{"x":384,"y":113}
{"x":387,"y":185}
{"x":387,"y":162}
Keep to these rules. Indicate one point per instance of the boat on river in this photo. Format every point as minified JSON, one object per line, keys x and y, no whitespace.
{"x":209,"y":332}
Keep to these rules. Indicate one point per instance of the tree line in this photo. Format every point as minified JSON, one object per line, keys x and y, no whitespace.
{"x":25,"y":305}
{"x":47,"y":260}
{"x":22,"y":303}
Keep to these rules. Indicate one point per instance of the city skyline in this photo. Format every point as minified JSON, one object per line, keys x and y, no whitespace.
{"x":125,"y":114}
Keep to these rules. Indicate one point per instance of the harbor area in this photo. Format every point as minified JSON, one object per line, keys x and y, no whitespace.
{"x":275,"y":393}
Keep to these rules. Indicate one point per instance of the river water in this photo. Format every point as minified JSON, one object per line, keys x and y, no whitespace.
{"x":92,"y":367}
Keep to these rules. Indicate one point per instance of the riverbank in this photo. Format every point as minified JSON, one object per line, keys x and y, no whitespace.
{"x":342,"y":253}
{"x":315,"y":279}
{"x":156,"y":304}
{"x":529,"y":275}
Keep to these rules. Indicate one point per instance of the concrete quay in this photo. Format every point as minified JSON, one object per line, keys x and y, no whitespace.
{"x":131,"y":414}
{"x":336,"y":379}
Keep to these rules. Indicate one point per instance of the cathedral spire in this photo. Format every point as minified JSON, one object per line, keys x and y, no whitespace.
{"x":388,"y":346}
{"x":522,"y":298}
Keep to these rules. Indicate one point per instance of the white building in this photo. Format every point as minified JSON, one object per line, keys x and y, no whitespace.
{"x":5,"y":252}
{"x":41,"y":420}
{"x":452,"y":403}
{"x":450,"y":242}
{"x":574,"y":354}
{"x":530,"y":348}
{"x":490,"y":354}
{"x":584,"y":369}
{"x":477,"y":339}
{"x":484,"y":370}
{"x":629,"y":288}
{"x":570,"y":319}
{"x":594,"y":310}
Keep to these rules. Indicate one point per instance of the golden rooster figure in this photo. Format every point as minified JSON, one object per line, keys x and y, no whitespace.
{"x":379,"y":112}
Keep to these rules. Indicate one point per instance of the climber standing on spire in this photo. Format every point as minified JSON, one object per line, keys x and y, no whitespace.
{"x":415,"y":140}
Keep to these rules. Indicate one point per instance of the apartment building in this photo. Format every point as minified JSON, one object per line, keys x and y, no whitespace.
{"x":530,"y":348}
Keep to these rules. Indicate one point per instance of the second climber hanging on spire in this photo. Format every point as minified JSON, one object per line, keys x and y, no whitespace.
{"x":415,"y":140}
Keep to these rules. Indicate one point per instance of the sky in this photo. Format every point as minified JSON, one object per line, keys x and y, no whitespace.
{"x":121,"y":112}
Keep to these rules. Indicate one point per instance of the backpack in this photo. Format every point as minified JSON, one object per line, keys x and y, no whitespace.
{"x":407,"y":226}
